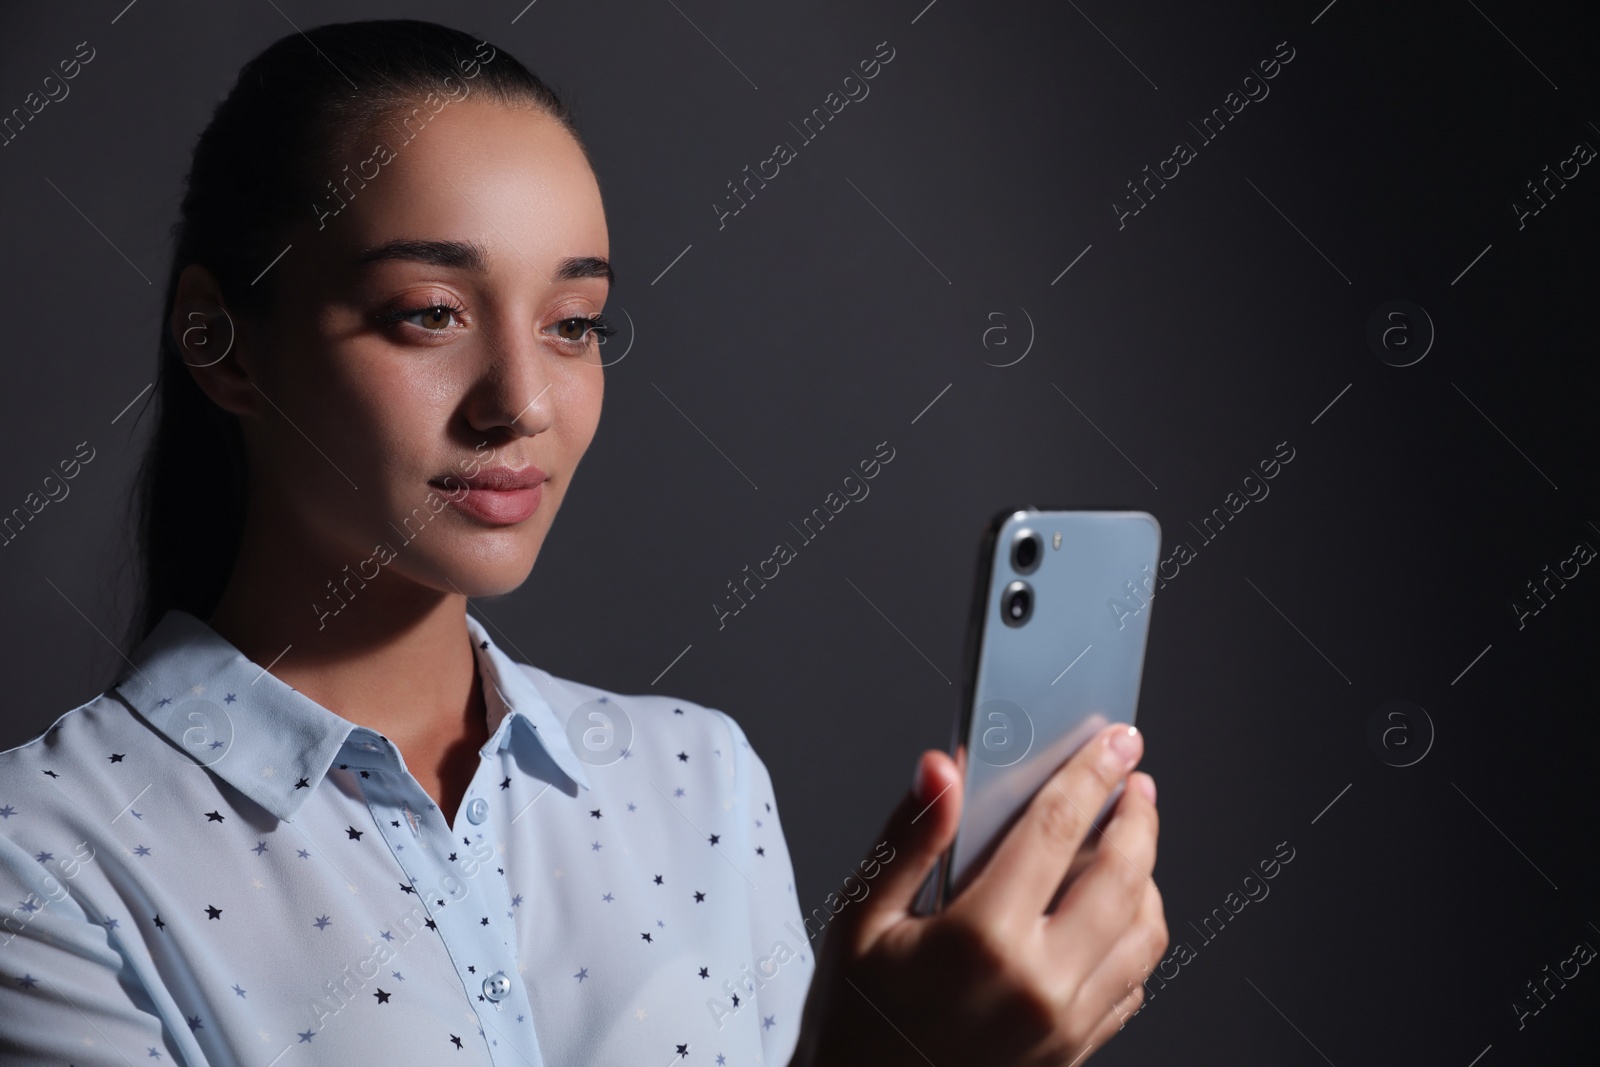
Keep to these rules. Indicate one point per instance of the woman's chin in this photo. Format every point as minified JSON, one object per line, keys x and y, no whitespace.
{"x":481,"y":575}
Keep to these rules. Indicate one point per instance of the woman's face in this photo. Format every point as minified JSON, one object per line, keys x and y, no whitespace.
{"x":433,"y":328}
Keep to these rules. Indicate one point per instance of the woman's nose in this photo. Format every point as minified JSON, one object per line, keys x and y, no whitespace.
{"x":514,"y":387}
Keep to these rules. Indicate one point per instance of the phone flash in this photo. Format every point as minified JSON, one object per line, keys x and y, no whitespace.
{"x":1055,"y":542}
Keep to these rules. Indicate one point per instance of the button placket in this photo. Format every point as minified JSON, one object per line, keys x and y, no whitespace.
{"x":492,"y":982}
{"x":498,"y":987}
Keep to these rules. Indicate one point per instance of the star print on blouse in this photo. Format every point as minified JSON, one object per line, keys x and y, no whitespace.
{"x":486,"y":893}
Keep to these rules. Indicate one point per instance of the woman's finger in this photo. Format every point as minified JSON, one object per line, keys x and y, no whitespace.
{"x":921,"y":827}
{"x":1100,"y":905}
{"x":1121,"y":973}
{"x":1027,"y":866}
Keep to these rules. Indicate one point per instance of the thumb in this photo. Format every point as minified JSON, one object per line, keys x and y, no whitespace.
{"x":921,"y":827}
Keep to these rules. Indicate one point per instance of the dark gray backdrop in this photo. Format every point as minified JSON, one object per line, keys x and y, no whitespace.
{"x":867,"y":294}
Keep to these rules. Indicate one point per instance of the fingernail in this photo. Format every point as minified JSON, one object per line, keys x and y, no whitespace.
{"x":1146,"y":784}
{"x":1128,"y":744}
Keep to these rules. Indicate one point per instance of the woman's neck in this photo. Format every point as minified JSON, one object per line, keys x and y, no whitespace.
{"x":397,"y":657}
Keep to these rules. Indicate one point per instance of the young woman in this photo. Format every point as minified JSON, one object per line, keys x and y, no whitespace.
{"x":323,"y":816}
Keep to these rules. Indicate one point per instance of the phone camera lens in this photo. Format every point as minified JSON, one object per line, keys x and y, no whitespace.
{"x":1026,"y":550}
{"x":1016,"y":604}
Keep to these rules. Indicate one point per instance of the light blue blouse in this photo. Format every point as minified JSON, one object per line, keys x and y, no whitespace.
{"x":204,"y":866}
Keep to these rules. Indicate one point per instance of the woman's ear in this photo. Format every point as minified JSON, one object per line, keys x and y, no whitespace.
{"x":208,"y":341}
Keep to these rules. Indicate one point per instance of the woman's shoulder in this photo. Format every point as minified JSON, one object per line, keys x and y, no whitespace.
{"x":568,"y":695}
{"x":70,"y":783}
{"x":95,"y":729}
{"x":694,"y":753}
{"x":652,"y":719}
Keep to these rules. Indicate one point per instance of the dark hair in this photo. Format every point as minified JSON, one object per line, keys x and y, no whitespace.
{"x":301,"y":104}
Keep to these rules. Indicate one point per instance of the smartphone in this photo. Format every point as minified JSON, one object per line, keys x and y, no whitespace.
{"x":1054,"y":653}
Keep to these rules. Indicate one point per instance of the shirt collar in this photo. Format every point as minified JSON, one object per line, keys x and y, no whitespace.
{"x":271,"y":742}
{"x":509,"y":690}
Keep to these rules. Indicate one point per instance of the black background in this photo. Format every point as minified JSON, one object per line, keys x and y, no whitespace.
{"x":856,"y":289}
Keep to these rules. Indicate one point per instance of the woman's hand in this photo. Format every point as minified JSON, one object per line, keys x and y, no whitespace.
{"x":993,"y":979}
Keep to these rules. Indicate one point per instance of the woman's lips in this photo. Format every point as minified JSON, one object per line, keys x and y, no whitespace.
{"x":499,"y":497}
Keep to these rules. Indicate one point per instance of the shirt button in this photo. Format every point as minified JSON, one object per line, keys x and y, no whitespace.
{"x":497,"y":986}
{"x":477,"y":810}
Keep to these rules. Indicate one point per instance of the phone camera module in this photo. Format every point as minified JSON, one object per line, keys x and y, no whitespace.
{"x":1016,"y":603}
{"x":1027,"y":548}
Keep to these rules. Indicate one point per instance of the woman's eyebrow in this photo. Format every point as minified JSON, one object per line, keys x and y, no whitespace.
{"x":473,"y":256}
{"x":584,"y":267}
{"x":468,"y":254}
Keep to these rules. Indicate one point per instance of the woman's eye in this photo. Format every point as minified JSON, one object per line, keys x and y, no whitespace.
{"x":579,"y":329}
{"x":437,"y":317}
{"x":575,"y":329}
{"x":434,"y":318}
